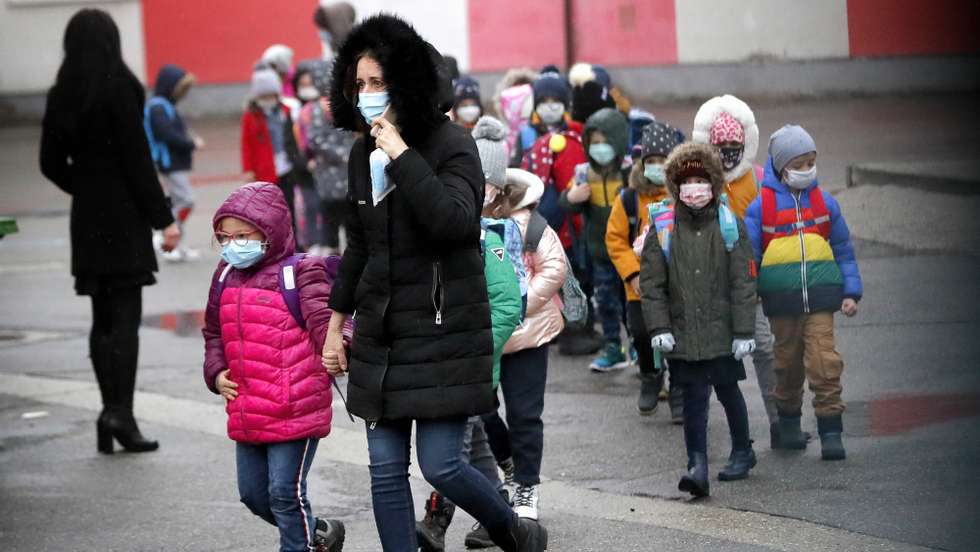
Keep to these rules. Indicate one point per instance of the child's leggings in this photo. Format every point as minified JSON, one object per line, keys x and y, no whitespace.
{"x":272,"y":483}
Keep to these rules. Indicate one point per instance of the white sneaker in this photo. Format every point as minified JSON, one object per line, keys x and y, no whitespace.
{"x":526,"y":501}
{"x":190,"y":254}
{"x":175,"y":256}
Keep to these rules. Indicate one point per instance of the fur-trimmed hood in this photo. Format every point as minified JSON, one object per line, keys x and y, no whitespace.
{"x":708,"y":156}
{"x":738,"y":109}
{"x":410,"y":68}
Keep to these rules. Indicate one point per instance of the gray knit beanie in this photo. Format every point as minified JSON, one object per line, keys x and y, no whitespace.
{"x":490,"y":135}
{"x":788,"y":143}
{"x":265,"y":81}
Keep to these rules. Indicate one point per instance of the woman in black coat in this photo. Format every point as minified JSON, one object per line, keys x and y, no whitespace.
{"x":413,"y":273}
{"x":93,"y":147}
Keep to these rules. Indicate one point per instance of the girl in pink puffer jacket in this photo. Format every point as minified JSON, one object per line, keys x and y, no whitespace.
{"x":265,"y":361}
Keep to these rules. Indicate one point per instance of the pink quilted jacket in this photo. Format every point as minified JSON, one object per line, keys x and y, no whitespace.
{"x":284,"y":392}
{"x":546,"y":269}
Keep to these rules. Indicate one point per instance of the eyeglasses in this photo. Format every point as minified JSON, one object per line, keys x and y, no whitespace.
{"x":240,"y":239}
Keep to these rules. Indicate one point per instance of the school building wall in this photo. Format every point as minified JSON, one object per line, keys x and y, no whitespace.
{"x":656,"y":48}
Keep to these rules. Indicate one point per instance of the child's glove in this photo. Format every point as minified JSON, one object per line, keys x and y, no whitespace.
{"x":742,"y":348}
{"x":663,"y":342}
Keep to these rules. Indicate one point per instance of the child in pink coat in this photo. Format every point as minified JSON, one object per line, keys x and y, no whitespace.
{"x":265,"y":324}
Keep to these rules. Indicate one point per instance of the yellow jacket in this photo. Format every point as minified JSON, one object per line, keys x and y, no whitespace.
{"x":618,"y":228}
{"x":741,"y":192}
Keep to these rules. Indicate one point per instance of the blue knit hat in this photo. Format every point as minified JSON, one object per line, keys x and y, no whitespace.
{"x":549,"y":85}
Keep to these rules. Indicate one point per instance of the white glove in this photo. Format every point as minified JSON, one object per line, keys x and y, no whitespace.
{"x":742,"y":348}
{"x":663,"y":342}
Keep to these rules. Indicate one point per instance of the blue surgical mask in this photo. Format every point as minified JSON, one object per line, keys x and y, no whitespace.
{"x":372,"y":104}
{"x":243,"y":256}
{"x":655,"y":174}
{"x":602,"y":154}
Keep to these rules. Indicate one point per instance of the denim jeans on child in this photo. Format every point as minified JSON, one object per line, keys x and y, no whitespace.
{"x":272,"y":483}
{"x":609,"y":297}
{"x":439,"y":444}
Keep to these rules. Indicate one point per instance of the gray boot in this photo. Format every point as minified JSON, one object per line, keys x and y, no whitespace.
{"x":790,"y":435}
{"x":830,"y":429}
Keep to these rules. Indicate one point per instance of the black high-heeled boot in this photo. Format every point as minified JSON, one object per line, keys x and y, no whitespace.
{"x":119,"y":424}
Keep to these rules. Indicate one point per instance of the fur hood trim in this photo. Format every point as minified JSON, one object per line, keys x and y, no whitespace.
{"x":708,"y":156}
{"x":738,"y":109}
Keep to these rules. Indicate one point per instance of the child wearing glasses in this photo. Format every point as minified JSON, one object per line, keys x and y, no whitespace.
{"x":265,"y":324}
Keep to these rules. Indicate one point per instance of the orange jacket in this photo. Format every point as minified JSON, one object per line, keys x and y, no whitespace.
{"x":618,"y":242}
{"x":741,"y":192}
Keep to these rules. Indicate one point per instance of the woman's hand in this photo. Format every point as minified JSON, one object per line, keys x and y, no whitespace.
{"x":226,"y":387}
{"x":171,"y":237}
{"x":334,"y":356}
{"x":849,"y":307}
{"x":387,"y":137}
{"x":579,"y":193}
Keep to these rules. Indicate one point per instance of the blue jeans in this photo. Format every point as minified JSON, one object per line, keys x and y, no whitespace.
{"x":609,"y":298}
{"x":439,"y":444}
{"x":272,"y":483}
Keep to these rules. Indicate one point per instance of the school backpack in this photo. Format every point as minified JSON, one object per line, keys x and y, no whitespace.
{"x":662,"y":223}
{"x":159,"y":150}
{"x":510,"y":234}
{"x":575,"y":304}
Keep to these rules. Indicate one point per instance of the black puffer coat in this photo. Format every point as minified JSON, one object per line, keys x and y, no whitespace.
{"x":412,"y":271}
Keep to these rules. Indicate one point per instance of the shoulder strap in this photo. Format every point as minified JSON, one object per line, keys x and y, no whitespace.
{"x":288,"y":289}
{"x":535,"y":230}
{"x":818,"y":209}
{"x":729,"y":226}
{"x":629,"y":198}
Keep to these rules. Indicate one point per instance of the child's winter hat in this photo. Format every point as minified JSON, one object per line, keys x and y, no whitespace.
{"x":726,"y":129}
{"x":265,"y":81}
{"x":658,"y":139}
{"x":279,"y":56}
{"x":550,"y":85}
{"x":467,"y":88}
{"x":788,"y":143}
{"x":550,"y":69}
{"x":490,"y":134}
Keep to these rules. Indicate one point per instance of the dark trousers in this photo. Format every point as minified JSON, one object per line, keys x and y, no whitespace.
{"x":522,"y":378}
{"x":497,"y":435}
{"x":114,"y":343}
{"x":334,"y":215}
{"x":287,"y":183}
{"x":640,"y":337}
{"x":696,"y":396}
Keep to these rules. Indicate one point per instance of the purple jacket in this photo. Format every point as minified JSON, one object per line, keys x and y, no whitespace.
{"x":284,"y":393}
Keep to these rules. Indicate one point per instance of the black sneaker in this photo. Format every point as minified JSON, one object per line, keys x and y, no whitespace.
{"x":329,"y":536}
{"x":479,"y":537}
{"x":431,"y":531}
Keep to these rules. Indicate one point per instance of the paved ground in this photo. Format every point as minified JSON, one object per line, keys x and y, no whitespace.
{"x":912,"y":384}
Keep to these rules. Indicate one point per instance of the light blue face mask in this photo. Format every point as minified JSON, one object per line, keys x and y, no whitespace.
{"x":655,"y":174}
{"x":372,"y":104}
{"x":602,"y":154}
{"x":243,"y":256}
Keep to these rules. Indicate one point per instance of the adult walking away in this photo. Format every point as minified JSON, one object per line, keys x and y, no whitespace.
{"x":93,"y":147}
{"x":413,"y":272}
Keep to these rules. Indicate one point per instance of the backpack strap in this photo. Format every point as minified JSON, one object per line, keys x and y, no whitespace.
{"x":820,"y":213}
{"x":535,"y":230}
{"x":729,"y":226}
{"x":629,"y":198}
{"x":288,"y":289}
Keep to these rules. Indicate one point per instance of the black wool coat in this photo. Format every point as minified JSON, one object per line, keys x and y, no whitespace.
{"x":103,"y":161}
{"x":413,"y":273}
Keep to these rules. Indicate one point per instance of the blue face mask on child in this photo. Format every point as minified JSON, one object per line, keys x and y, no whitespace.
{"x":242,"y":256}
{"x":655,"y":174}
{"x":372,"y":104}
{"x":602,"y":154}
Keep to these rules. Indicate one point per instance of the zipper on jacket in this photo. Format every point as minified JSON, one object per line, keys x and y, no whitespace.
{"x":799,"y":231}
{"x":241,"y":356}
{"x":438,"y":293}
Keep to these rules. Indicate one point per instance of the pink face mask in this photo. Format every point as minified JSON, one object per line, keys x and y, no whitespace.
{"x":696,"y":195}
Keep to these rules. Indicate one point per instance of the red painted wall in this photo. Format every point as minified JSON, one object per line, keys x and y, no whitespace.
{"x":912,"y":27}
{"x":625,"y":32}
{"x":220,"y":40}
{"x":516,"y":33}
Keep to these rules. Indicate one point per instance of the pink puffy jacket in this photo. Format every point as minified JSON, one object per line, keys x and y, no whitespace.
{"x":546,"y":269}
{"x":284,"y":392}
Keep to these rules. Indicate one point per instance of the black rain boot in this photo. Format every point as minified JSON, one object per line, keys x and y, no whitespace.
{"x":774,"y":436}
{"x":830,"y":429}
{"x":431,"y":531}
{"x":650,"y":385}
{"x":791,"y":437}
{"x":739,"y":464}
{"x":523,"y":535}
{"x":695,"y":481}
{"x":676,"y":402}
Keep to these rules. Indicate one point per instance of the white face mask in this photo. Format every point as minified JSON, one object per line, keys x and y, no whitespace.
{"x":307,"y":93}
{"x":800,"y":180}
{"x":551,"y":112}
{"x":468,"y":113}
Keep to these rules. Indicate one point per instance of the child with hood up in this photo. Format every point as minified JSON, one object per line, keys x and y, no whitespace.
{"x":699,"y":304}
{"x":467,"y":107}
{"x":265,"y":324}
{"x":630,"y":214}
{"x":808,"y":271}
{"x":728,"y":124}
{"x":595,"y":187}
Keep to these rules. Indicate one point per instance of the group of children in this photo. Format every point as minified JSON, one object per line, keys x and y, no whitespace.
{"x":689,"y":245}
